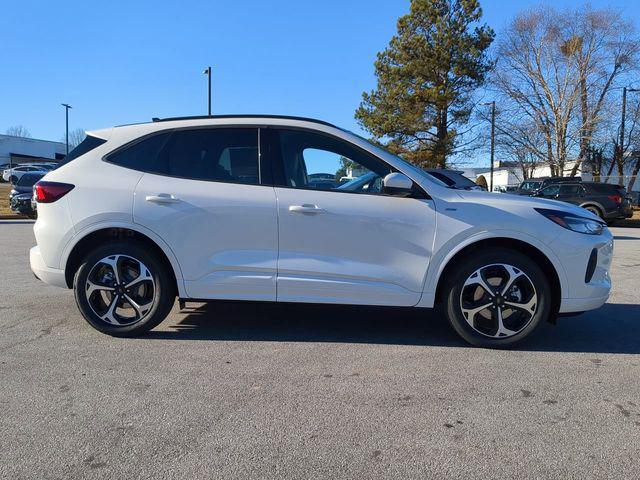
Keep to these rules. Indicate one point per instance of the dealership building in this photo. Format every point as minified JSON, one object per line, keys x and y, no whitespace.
{"x":16,"y":150}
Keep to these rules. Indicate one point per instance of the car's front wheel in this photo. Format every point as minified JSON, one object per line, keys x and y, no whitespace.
{"x":123,"y":289}
{"x":497,"y":297}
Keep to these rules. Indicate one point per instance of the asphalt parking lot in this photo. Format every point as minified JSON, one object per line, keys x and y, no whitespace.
{"x":268,"y":391}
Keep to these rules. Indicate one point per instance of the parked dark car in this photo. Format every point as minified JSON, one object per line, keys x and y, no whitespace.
{"x":25,"y":184}
{"x":610,"y":202}
{"x":532,"y":185}
{"x":21,"y":204}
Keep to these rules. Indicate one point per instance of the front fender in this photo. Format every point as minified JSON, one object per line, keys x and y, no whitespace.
{"x":456,"y":244}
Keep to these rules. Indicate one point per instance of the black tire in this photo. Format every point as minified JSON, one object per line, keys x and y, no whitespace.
{"x":594,"y":209}
{"x":465,"y":268}
{"x":164,"y":291}
{"x":13,"y":179}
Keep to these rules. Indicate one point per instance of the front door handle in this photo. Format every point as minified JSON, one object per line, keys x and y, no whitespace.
{"x":306,"y":208}
{"x":162,"y":198}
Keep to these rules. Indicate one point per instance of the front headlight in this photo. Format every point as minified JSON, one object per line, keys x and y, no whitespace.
{"x":573,"y":222}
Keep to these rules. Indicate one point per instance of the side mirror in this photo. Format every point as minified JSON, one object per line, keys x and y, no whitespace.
{"x":398,"y":185}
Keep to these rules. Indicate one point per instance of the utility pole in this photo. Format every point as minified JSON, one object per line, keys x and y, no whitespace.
{"x":622,"y":124}
{"x":66,"y":112}
{"x":493,"y":140}
{"x":207,"y":72}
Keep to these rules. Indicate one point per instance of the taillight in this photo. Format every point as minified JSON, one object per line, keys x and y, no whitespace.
{"x":49,"y":192}
{"x":617,"y":199}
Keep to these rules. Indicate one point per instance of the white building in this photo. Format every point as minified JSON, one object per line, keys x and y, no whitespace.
{"x":14,"y":150}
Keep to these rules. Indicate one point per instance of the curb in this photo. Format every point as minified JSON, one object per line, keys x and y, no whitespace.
{"x":14,"y":217}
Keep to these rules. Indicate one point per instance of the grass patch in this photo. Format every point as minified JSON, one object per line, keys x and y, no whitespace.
{"x":5,"y":188}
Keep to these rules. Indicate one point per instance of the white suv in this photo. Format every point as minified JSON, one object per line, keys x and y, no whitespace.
{"x":256,"y":208}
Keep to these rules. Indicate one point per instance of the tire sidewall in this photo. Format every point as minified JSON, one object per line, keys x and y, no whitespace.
{"x":164,"y":290}
{"x":475,"y":261}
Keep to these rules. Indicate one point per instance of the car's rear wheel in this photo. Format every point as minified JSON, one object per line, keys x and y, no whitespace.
{"x":123,"y":290}
{"x":497,"y":298}
{"x":13,"y":179}
{"x":595,"y":210}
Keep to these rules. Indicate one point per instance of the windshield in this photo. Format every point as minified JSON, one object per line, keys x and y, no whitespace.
{"x":452,"y":179}
{"x":528,"y":186}
{"x":28,"y":180}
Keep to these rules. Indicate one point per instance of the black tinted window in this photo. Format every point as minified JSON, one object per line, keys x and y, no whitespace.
{"x":142,"y":155}
{"x":570,"y":190}
{"x":605,"y":188}
{"x":550,"y":190}
{"x":88,"y":144}
{"x":217,"y":154}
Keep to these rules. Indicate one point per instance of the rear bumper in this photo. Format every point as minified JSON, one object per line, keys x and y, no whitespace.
{"x":52,"y":276}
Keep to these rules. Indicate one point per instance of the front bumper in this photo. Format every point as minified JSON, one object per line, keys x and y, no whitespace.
{"x":575,"y":249}
{"x":52,"y":276}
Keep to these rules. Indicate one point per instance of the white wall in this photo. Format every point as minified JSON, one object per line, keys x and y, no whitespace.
{"x":29,"y":146}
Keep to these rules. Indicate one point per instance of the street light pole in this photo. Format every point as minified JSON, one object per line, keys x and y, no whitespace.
{"x":207,"y":72}
{"x":66,"y":114}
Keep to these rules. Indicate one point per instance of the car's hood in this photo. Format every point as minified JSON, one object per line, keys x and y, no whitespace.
{"x":506,"y":202}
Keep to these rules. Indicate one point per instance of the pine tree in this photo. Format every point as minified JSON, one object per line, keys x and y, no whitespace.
{"x":426,"y":77}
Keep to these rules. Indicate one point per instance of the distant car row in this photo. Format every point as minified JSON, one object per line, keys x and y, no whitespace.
{"x":610,"y":202}
{"x":12,"y":174}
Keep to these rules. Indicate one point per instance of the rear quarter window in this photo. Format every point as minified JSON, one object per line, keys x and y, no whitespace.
{"x":605,"y":188}
{"x":89,"y":143}
{"x":142,"y":155}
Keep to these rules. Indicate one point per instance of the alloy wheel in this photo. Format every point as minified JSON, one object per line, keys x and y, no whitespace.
{"x":498,"y":300}
{"x":120,"y":290}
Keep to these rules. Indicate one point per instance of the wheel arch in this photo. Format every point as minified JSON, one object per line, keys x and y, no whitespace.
{"x":592,"y":203}
{"x":556,"y":280}
{"x":101,"y":234}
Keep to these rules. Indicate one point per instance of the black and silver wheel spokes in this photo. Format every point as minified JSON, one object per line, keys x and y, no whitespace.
{"x":120,"y":290}
{"x":498,"y":300}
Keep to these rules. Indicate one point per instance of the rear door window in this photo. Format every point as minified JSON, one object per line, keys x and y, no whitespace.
{"x":215,"y":154}
{"x":570,"y":190}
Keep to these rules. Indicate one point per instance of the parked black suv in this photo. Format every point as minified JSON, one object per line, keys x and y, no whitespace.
{"x":610,"y":202}
{"x":532,"y":185}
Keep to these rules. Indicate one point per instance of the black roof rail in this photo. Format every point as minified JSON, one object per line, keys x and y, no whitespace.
{"x":280,"y":117}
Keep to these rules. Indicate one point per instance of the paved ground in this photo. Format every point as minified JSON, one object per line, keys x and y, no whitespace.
{"x":258,"y":391}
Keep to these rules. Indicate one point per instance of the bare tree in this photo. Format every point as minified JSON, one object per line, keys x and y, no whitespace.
{"x":629,"y":153}
{"x":76,"y":137}
{"x":556,"y":71}
{"x":604,"y":48}
{"x":535,"y":80}
{"x":19,"y":131}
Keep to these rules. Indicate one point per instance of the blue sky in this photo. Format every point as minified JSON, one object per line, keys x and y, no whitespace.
{"x":127,"y":61}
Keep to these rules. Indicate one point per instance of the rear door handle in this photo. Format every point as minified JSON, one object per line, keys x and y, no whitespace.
{"x":162,"y":198}
{"x":306,"y":208}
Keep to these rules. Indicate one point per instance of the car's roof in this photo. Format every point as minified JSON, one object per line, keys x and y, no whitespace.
{"x":244,"y":116}
{"x":158,"y":124}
